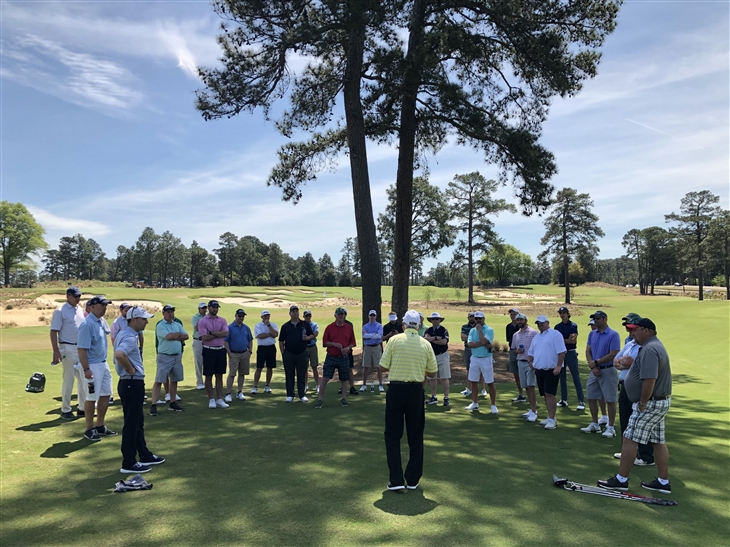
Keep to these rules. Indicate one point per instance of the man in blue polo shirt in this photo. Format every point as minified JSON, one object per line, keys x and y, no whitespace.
{"x":604,"y":344}
{"x":372,"y":350}
{"x":239,"y":345}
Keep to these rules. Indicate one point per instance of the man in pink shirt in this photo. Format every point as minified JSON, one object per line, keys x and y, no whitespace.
{"x":212,"y":330}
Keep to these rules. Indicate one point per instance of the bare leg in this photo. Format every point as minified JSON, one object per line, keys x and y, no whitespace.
{"x":661,"y":455}
{"x":219,"y":386}
{"x":322,"y":386}
{"x":445,"y":385}
{"x":475,"y":392}
{"x":156,"y":392}
{"x":492,"y":393}
{"x":551,"y":403}
{"x":209,"y":386}
{"x":602,"y":402}
{"x":611,"y":413}
{"x":269,"y":374}
{"x":101,"y":407}
{"x":380,"y":376}
{"x":89,"y":408}
{"x":434,"y":386}
{"x":628,"y":454}
{"x":256,"y":377}
{"x":517,"y":382}
{"x":173,"y":391}
{"x":593,"y":406}
{"x":531,"y":398}
{"x":229,"y":383}
{"x":241,"y":379}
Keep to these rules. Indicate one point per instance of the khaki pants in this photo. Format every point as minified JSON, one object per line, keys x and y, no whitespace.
{"x":70,"y":357}
{"x":198,"y":357}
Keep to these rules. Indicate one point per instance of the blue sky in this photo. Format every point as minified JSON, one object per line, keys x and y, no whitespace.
{"x":100,"y":136}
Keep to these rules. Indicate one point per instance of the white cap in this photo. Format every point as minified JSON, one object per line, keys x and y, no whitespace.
{"x":136,"y":312}
{"x":372,"y":312}
{"x":541,"y":319}
{"x":412,"y":319}
{"x":392,"y":316}
{"x":435,"y":315}
{"x":202,"y":305}
{"x":479,"y":314}
{"x":265,"y":312}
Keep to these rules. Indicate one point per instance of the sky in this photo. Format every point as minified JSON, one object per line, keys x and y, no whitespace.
{"x":99,"y":134}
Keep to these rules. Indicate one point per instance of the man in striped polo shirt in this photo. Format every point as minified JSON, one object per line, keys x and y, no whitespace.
{"x":521,"y":342}
{"x":407,"y":358}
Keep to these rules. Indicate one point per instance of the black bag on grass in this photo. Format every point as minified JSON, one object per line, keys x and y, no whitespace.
{"x":37,"y":383}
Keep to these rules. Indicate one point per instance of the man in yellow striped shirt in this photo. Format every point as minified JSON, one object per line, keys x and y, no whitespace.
{"x":407,"y":358}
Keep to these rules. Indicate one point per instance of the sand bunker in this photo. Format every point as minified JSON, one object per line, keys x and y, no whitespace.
{"x":273,"y":303}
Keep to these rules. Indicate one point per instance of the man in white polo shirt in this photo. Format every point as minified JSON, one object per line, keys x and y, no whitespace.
{"x":65,"y":325}
{"x":546,"y":356}
{"x":265,"y":333}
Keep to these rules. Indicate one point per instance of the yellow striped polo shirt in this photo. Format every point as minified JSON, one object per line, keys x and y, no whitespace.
{"x":407,"y":356}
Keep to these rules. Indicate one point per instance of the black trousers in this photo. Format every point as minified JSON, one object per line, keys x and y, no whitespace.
{"x":646,"y":451}
{"x":131,"y":392}
{"x":296,"y":362}
{"x":405,"y":402}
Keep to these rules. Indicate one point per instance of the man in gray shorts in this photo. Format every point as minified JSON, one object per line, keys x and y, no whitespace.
{"x":170,"y":337}
{"x":521,"y":341}
{"x":604,"y":344}
{"x":512,"y":328}
{"x":649,"y":386}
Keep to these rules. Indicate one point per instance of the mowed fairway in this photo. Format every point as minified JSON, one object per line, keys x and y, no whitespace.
{"x":266,"y":473}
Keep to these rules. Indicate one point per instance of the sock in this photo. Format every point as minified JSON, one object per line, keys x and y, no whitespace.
{"x":239,"y":391}
{"x":662,"y":481}
{"x":621,"y":479}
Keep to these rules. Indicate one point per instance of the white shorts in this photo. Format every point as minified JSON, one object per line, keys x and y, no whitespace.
{"x":102,"y":378}
{"x":481,"y":366}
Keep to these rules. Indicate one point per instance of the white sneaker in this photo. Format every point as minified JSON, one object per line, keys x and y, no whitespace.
{"x":211,"y":403}
{"x":525,"y":414}
{"x":364,"y":388}
{"x":551,"y":424}
{"x":592,"y":428}
{"x":603,"y":420}
{"x":473,"y":406}
{"x":581,"y":406}
{"x":161,"y":401}
{"x":495,"y":410}
{"x":254,"y":390}
{"x":200,"y":386}
{"x":167,"y":397}
{"x":617,"y":455}
{"x":228,"y":398}
{"x":317,"y":389}
{"x":381,"y":388}
{"x":545,"y":421}
{"x":240,"y":396}
{"x":289,"y":400}
{"x":304,"y":399}
{"x":466,"y":392}
{"x":484,"y":393}
{"x":267,"y":389}
{"x":220,"y":403}
{"x":306,"y":389}
{"x":531,"y":416}
{"x":609,"y":432}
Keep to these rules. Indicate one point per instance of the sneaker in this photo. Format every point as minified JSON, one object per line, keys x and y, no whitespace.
{"x":603,"y":420}
{"x":343,"y":402}
{"x":220,"y":403}
{"x":525,"y":414}
{"x":364,"y":388}
{"x":657,"y":486}
{"x":519,"y":399}
{"x":104,"y":431}
{"x":161,"y":401}
{"x":154,"y":460}
{"x":153,"y":410}
{"x":381,"y":389}
{"x":495,"y":410}
{"x":174,"y":407}
{"x":581,"y":406}
{"x":254,"y":390}
{"x":136,"y":468}
{"x":228,"y":398}
{"x":591,"y":428}
{"x":317,"y":389}
{"x":267,"y":389}
{"x":318,"y":404}
{"x":200,"y":386}
{"x":392,"y":486}
{"x":111,"y":400}
{"x":211,"y":403}
{"x":473,"y":406}
{"x":617,"y":455}
{"x":92,"y":435}
{"x":240,"y":396}
{"x":167,"y":398}
{"x":446,"y":403}
{"x":353,"y":391}
{"x":642,"y":463}
{"x":306,"y":388}
{"x":562,"y":403}
{"x":545,"y":421}
{"x":68,"y":416}
{"x":531,"y":417}
{"x":484,"y":393}
{"x":304,"y":399}
{"x":551,"y":423}
{"x":339,"y":391}
{"x":609,"y":432}
{"x":412,"y":487}
{"x":466,"y":392}
{"x":289,"y":400}
{"x":80,"y":414}
{"x":613,"y":483}
{"x":432,"y":400}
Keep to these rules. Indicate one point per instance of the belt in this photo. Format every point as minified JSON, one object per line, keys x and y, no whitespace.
{"x":372,"y":345}
{"x":398,"y":382}
{"x":604,"y":366}
{"x":523,"y":360}
{"x":170,"y":354}
{"x":244,"y":351}
{"x":69,"y":343}
{"x":134,"y":377}
{"x":214,"y":347}
{"x":662,"y":398}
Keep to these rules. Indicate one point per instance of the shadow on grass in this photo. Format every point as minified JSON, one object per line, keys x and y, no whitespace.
{"x":40,"y":426}
{"x":405,"y":502}
{"x":63,"y":449}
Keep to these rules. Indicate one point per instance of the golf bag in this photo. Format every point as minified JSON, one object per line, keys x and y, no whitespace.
{"x":37,"y":383}
{"x":135,"y":483}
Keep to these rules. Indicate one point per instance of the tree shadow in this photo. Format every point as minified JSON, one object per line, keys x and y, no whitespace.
{"x":405,"y":502}
{"x":40,"y":426}
{"x":64,"y":449}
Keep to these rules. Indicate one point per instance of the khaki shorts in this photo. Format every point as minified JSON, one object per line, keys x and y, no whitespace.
{"x":169,"y":366}
{"x":444,"y":364}
{"x":239,"y":362}
{"x":527,"y":375}
{"x":313,"y":356}
{"x":371,"y":356}
{"x":604,"y":386}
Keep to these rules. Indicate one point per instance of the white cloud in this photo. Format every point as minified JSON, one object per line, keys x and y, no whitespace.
{"x":67,"y":226}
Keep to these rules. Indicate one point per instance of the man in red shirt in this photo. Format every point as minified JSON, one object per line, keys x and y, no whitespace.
{"x":339,"y":339}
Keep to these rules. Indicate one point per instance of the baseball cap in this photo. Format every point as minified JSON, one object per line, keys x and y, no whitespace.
{"x":520,"y":316}
{"x":168,"y":307}
{"x":591,"y":322}
{"x":340,"y":310}
{"x":646,"y":323}
{"x":392,"y":316}
{"x":124,"y":306}
{"x":563,"y":309}
{"x":412,"y":319}
{"x":630,"y":318}
{"x":98,"y":299}
{"x":307,"y":312}
{"x":470,"y":314}
{"x":265,"y":312}
{"x":213,"y":304}
{"x":630,"y":325}
{"x":74,"y":291}
{"x":239,"y":311}
{"x":435,"y":315}
{"x":515,"y":310}
{"x":541,"y":319}
{"x":598,"y":314}
{"x":372,"y":312}
{"x":293,"y":307}
{"x":478,"y":314}
{"x":202,"y":305}
{"x":136,"y":312}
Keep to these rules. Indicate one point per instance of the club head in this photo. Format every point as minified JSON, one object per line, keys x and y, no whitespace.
{"x":558,"y":482}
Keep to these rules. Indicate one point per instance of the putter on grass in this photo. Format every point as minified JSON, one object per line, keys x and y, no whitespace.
{"x":587,"y":489}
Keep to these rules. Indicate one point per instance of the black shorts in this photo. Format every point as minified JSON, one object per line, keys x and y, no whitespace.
{"x":266,"y":356}
{"x":547,"y":382}
{"x":351,"y":357}
{"x":214,"y":361}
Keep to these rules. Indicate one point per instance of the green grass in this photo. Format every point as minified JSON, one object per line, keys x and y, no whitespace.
{"x":266,"y":473}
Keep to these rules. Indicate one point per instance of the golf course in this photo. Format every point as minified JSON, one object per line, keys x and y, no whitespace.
{"x":264,"y":473}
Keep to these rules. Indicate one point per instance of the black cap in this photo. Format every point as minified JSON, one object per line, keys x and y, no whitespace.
{"x":213,"y":304}
{"x":294,"y":307}
{"x":598,"y":314}
{"x":168,"y":307}
{"x":646,"y":323}
{"x":563,"y":309}
{"x":239,"y":311}
{"x":99,"y":299}
{"x":74,"y":291}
